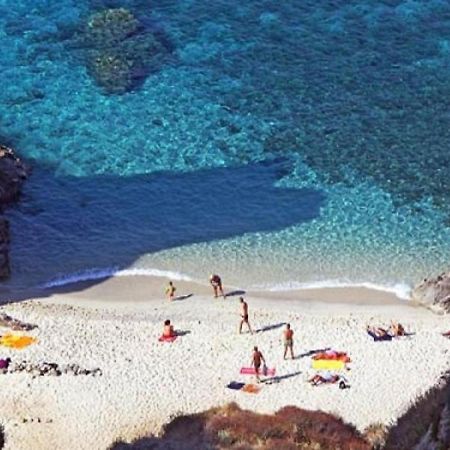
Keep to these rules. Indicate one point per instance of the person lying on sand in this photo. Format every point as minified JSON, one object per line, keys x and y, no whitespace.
{"x":447,"y":334}
{"x":288,"y":338}
{"x":378,"y":332}
{"x":396,"y":329}
{"x":168,"y":329}
{"x":170,"y":291}
{"x":257,"y":358}
{"x":326,"y":377}
{"x":216,"y":284}
{"x":244,"y":315}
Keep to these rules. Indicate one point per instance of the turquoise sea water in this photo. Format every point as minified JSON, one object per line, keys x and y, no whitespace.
{"x":280,"y":144}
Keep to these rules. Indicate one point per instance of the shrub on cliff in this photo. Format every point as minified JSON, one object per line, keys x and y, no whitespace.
{"x":426,"y":422}
{"x":230,"y":427}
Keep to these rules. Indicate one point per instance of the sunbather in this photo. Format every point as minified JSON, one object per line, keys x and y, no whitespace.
{"x":396,"y":329}
{"x":324,"y":378}
{"x":168,"y":329}
{"x":378,"y":332}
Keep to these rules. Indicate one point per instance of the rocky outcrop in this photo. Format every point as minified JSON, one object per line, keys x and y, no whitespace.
{"x":426,"y":424}
{"x":12,"y":174}
{"x":434,"y":293}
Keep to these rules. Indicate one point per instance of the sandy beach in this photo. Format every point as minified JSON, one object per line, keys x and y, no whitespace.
{"x":114,"y":325}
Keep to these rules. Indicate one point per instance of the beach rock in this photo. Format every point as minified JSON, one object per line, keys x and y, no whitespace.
{"x":15,"y":324}
{"x":121,"y":52}
{"x":12,"y":174}
{"x":434,"y":293}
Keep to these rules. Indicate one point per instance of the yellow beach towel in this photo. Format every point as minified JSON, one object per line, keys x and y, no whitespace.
{"x":16,"y":341}
{"x":328,"y":364}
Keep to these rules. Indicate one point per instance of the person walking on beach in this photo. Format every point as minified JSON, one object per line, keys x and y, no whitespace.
{"x":216,"y":284}
{"x":288,"y":338}
{"x":257,"y":359}
{"x":170,"y":291}
{"x":244,"y":315}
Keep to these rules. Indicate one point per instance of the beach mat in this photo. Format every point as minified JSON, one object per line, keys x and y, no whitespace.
{"x":251,"y":371}
{"x":251,"y":389}
{"x":376,"y":338}
{"x":17,"y":341}
{"x":235,"y":385}
{"x":167,"y":338}
{"x":327,"y":364}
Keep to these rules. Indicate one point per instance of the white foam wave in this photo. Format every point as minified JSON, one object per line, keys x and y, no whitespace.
{"x":98,"y":274}
{"x":401,"y":290}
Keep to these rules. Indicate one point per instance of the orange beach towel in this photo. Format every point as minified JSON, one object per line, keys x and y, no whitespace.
{"x":332,"y":355}
{"x":17,"y":341}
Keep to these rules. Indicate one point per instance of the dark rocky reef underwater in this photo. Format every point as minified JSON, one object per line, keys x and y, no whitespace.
{"x":13,"y":172}
{"x":120,"y":50}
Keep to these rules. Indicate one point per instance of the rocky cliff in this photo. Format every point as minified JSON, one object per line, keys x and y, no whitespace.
{"x":434,"y":293}
{"x":12,"y":174}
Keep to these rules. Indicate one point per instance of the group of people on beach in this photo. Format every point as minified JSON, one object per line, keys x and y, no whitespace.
{"x":258,"y":361}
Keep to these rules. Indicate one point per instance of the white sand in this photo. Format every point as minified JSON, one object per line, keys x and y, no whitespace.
{"x":115,"y":325}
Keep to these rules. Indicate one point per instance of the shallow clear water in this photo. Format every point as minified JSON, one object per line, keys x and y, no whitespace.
{"x":279,"y":144}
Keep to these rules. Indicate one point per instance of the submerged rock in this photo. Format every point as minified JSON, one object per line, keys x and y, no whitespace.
{"x":434,"y":293}
{"x":12,"y":174}
{"x":120,"y":50}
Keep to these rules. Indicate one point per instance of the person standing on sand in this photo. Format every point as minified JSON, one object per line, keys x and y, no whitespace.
{"x":244,"y":315}
{"x":170,"y":291}
{"x":288,"y":338}
{"x":257,"y":358}
{"x":216,"y":283}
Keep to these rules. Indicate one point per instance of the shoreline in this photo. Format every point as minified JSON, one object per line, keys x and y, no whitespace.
{"x":137,"y":289}
{"x":142,"y":292}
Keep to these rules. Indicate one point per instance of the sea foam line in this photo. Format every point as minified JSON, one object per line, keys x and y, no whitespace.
{"x":401,"y":290}
{"x":98,"y":274}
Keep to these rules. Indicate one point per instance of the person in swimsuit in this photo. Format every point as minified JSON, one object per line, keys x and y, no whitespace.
{"x":244,"y":315}
{"x":257,"y":359}
{"x":324,"y":378}
{"x":216,"y":283}
{"x":168,"y":329}
{"x":396,"y":329}
{"x":288,"y":337}
{"x":170,"y":291}
{"x":378,"y":332}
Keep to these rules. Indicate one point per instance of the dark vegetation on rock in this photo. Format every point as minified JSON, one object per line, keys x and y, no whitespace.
{"x":426,"y":424}
{"x":13,"y":172}
{"x":230,"y":427}
{"x":120,"y":51}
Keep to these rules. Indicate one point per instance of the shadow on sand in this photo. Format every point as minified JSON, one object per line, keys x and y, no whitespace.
{"x":270,"y":327}
{"x":235,"y":293}
{"x":277,"y":379}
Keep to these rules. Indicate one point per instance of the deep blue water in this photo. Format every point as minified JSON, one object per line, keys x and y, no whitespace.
{"x":278,"y":143}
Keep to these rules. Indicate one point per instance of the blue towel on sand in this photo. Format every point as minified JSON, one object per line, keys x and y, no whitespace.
{"x":235,"y":385}
{"x":387,"y":337}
